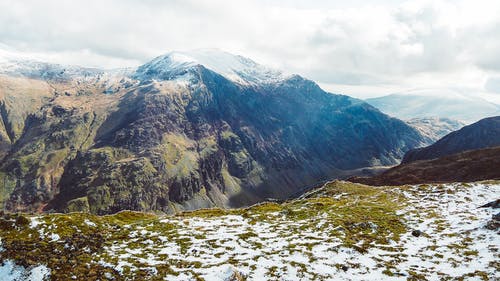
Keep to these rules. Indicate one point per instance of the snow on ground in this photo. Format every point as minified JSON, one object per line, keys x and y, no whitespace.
{"x":452,"y":241}
{"x":9,"y":271}
{"x":236,"y":68}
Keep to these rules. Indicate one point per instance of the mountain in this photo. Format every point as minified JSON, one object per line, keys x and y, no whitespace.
{"x":469,"y":154}
{"x":340,"y":231}
{"x":468,"y":166}
{"x":427,"y":103}
{"x":235,"y":68}
{"x":482,"y":134}
{"x":434,"y":128}
{"x":186,"y":130}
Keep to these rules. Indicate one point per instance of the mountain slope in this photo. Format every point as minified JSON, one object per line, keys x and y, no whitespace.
{"x":175,"y":134}
{"x":473,"y":165}
{"x":482,"y":134}
{"x":434,"y":128}
{"x":447,"y":104}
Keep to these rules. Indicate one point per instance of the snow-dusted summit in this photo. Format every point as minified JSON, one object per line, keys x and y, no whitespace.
{"x":171,"y":66}
{"x":15,"y":64}
{"x":175,"y":65}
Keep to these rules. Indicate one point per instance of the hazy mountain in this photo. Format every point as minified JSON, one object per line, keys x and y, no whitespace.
{"x":434,"y":128}
{"x":482,"y":134}
{"x":426,"y":103}
{"x":184,"y":131}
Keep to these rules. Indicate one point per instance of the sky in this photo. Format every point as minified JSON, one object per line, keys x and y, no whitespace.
{"x":360,"y":48}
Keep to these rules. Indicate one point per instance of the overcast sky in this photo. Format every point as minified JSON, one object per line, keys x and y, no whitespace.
{"x":360,"y":48}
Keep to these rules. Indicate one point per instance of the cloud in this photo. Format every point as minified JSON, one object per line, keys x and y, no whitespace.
{"x":493,"y":85}
{"x":358,"y":43}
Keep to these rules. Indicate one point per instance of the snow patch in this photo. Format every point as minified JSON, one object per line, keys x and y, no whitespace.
{"x":89,"y":223}
{"x":236,"y":68}
{"x":9,"y":271}
{"x":35,"y":222}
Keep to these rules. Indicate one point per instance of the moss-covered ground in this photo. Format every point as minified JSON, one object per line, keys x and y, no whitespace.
{"x":341,"y":231}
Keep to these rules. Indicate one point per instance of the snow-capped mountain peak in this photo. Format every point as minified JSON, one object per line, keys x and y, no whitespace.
{"x":234,"y":67}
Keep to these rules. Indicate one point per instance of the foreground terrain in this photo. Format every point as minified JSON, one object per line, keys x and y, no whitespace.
{"x":341,"y":231}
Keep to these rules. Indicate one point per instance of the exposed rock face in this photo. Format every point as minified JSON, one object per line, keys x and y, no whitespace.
{"x":469,"y":166}
{"x":179,"y":135}
{"x":482,"y":134}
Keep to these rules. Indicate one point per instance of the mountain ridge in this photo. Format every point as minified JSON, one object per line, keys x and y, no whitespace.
{"x":467,"y":166}
{"x":104,"y":143}
{"x":236,"y":68}
{"x":469,"y":154}
{"x":482,"y":134}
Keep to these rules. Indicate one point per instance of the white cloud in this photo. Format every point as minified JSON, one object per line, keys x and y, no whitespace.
{"x":357,"y":47}
{"x":493,"y":85}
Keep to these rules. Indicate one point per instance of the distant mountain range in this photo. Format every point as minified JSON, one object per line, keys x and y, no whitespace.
{"x":469,"y":154}
{"x":186,"y":130}
{"x":426,"y":103}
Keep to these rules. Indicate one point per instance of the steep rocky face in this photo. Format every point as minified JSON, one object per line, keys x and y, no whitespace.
{"x":482,"y":134}
{"x":48,"y":117}
{"x":179,"y":135}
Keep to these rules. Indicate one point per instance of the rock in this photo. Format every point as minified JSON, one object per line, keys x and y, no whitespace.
{"x":494,"y":223}
{"x":496,"y":217}
{"x":344,"y":267}
{"x":339,"y":228}
{"x":416,"y":233}
{"x":493,"y":204}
